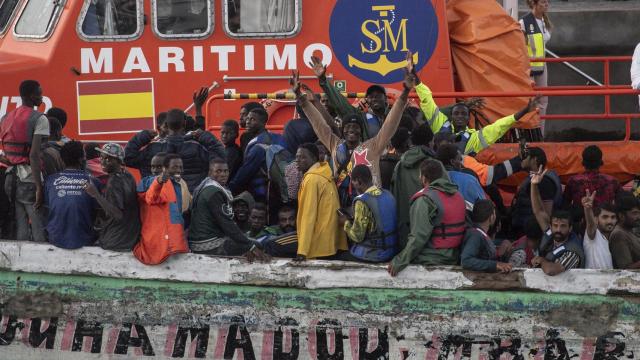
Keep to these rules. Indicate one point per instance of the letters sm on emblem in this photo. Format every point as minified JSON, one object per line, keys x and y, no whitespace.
{"x":371,"y":38}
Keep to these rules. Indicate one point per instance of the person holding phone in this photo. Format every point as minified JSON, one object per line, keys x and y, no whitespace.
{"x":373,"y":229}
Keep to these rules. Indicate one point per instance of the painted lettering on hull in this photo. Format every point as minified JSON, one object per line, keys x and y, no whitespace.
{"x":325,"y":339}
{"x":200,"y":58}
{"x":10,"y":103}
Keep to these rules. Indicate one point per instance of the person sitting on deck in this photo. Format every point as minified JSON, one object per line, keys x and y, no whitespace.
{"x":550,"y":189}
{"x":373,"y":230}
{"x":623,"y":242}
{"x":212,"y":229}
{"x":526,"y":247}
{"x":163,"y":199}
{"x":282,"y":240}
{"x":600,"y":223}
{"x":71,"y":209}
{"x":257,"y":221}
{"x":242,"y":205}
{"x":437,"y":221}
{"x":560,"y":249}
{"x":118,"y":222}
{"x":479,"y":252}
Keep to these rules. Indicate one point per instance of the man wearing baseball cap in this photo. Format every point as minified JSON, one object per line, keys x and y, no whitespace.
{"x":118,"y":222}
{"x":376,"y":97}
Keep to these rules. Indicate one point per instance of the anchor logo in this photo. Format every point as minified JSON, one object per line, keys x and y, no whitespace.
{"x":370,"y":38}
{"x":391,"y":40}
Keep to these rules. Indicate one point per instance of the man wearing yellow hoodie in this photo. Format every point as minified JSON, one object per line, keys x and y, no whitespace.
{"x":319,"y":233}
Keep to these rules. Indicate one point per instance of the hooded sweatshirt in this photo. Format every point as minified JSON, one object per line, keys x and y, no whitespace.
{"x":405,"y":183}
{"x":319,"y":233}
{"x":423,"y":214}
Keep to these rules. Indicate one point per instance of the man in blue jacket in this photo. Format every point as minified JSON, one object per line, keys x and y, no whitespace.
{"x":195,"y":149}
{"x":468,"y":185}
{"x":252,"y":175}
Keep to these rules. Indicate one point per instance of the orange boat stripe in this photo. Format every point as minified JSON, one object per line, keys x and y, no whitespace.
{"x":114,"y":87}
{"x":116,"y":125}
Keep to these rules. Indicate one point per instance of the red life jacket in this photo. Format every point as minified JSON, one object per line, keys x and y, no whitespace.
{"x":16,"y":134}
{"x":450,"y":223}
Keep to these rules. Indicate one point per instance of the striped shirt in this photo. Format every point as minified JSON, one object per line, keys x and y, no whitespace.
{"x":569,"y":260}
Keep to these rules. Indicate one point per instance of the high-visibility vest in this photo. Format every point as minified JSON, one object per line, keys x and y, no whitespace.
{"x":535,"y":43}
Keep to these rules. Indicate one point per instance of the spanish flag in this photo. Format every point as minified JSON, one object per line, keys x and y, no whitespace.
{"x":115,"y":106}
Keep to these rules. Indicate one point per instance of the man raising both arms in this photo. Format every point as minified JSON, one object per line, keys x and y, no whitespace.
{"x":468,"y":140}
{"x":350,"y":151}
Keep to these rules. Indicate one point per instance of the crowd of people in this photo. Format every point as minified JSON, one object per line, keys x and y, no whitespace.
{"x":386,"y":183}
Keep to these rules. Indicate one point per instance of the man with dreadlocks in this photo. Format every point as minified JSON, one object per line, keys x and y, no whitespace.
{"x":468,"y":140}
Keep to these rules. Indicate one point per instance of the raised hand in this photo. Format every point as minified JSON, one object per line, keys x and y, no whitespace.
{"x":309,"y":92}
{"x":294,"y":81}
{"x":587,"y":200}
{"x":199,"y":98}
{"x":538,"y":175}
{"x":534,"y":103}
{"x":410,"y":77}
{"x":411,"y":69}
{"x":318,"y":68}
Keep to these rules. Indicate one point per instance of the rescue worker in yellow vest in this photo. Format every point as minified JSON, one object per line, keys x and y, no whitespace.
{"x":22,"y":132}
{"x":469,"y":140}
{"x":537,"y":32}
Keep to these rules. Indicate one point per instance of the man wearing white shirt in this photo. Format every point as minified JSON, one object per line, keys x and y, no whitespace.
{"x":596,"y":238}
{"x":635,"y":70}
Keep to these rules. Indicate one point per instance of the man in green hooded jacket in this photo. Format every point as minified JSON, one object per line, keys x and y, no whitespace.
{"x":437,"y":218}
{"x":406,"y":177}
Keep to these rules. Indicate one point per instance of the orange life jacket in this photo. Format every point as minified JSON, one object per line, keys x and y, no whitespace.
{"x":16,"y":134}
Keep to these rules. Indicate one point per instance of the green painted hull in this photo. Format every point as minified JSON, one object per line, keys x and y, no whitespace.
{"x":134,"y":317}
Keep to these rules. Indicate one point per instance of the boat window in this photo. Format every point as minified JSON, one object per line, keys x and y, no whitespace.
{"x":186,"y":19}
{"x":7,"y":10}
{"x":38,"y":19}
{"x":108,"y":20}
{"x":262,"y":18}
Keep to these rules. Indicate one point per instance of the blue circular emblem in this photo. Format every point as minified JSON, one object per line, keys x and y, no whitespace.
{"x":371,"y":38}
